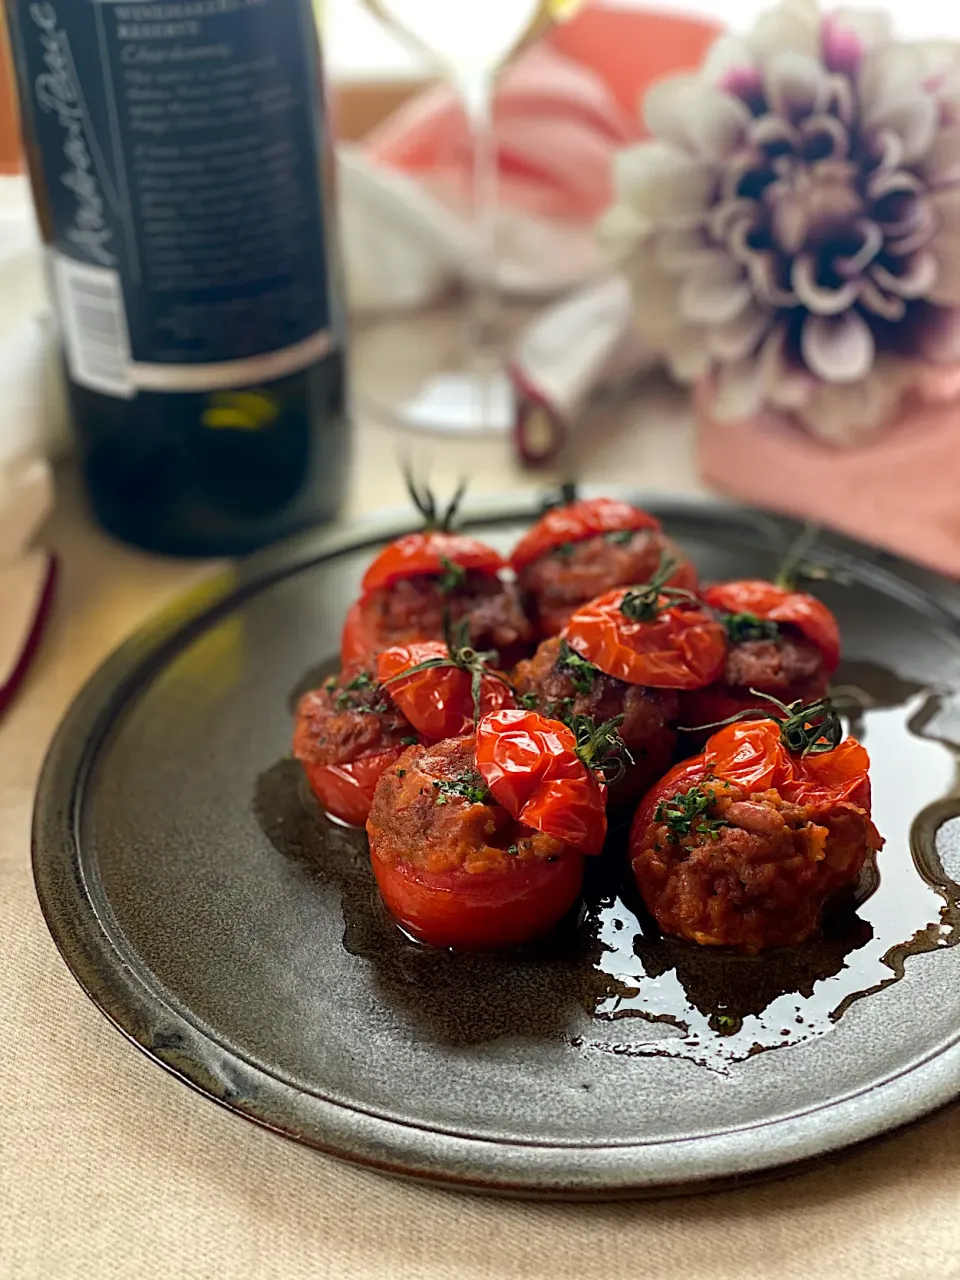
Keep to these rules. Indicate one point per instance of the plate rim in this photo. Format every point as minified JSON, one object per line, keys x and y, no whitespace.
{"x":178,"y":1043}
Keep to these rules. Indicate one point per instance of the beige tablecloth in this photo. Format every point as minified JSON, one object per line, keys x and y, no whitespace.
{"x":110,"y":1168}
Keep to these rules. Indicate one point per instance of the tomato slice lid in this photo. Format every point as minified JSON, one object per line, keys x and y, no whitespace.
{"x":682,"y":647}
{"x":771,"y":603}
{"x":533,"y":770}
{"x":434,"y":686}
{"x":585,"y":519}
{"x":430,"y":552}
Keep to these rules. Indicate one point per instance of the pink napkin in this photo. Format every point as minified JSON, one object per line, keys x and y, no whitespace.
{"x":898,"y":491}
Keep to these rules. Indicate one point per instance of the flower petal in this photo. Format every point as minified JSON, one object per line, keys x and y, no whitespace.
{"x":796,"y":84}
{"x":793,"y":25}
{"x":739,"y":390}
{"x":818,"y":298}
{"x":941,"y":164}
{"x":715,"y":292}
{"x":661,"y":182}
{"x":687,"y":356}
{"x":913,"y":118}
{"x":837,"y":348}
{"x":885,"y":305}
{"x":740,"y":336}
{"x":915,"y":281}
{"x":696,"y":117}
{"x":871,"y":242}
{"x":619,"y":230}
{"x":847,"y":35}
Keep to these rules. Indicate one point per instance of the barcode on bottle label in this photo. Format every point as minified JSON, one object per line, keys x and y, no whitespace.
{"x":94,"y":322}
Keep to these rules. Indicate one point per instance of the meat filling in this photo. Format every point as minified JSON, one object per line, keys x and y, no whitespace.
{"x":724,"y":868}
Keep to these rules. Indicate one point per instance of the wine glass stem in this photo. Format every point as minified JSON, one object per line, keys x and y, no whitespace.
{"x":477,"y":92}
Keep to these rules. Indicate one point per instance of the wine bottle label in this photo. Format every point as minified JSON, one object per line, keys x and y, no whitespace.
{"x":181,"y":150}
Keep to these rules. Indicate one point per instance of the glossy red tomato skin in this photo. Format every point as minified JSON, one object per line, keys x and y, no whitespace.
{"x":428,"y":553}
{"x":346,"y":790}
{"x":752,"y":755}
{"x":574,"y":523}
{"x":532,"y":769}
{"x":766,"y":601}
{"x":683,"y":648}
{"x":438,"y":702}
{"x":487,"y":911}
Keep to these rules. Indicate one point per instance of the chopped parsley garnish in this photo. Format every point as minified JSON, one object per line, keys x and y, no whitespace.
{"x":453,"y":576}
{"x":529,"y":701}
{"x":330,"y":684}
{"x":352,"y":696}
{"x":401,"y":773}
{"x":741,"y":627}
{"x":564,"y":550}
{"x":468,"y":786}
{"x":619,"y":537}
{"x":726,"y":1023}
{"x":581,"y":672}
{"x":513,"y":849}
{"x":689,"y":812}
{"x":408,"y":742}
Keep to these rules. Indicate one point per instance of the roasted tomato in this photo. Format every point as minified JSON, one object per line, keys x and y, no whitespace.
{"x":478,"y":842}
{"x":744,"y":845}
{"x":577,"y":552}
{"x":442,"y":688}
{"x":422,"y":580}
{"x":347,"y":733}
{"x":782,"y":643}
{"x":562,"y":685}
{"x":628,"y":654}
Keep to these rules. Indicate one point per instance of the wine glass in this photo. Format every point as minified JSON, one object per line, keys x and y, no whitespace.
{"x":471,"y":394}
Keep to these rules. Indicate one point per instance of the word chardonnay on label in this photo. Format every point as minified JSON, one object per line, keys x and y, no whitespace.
{"x":180,"y":165}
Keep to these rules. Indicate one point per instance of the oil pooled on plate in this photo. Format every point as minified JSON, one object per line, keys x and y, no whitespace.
{"x":650,"y":995}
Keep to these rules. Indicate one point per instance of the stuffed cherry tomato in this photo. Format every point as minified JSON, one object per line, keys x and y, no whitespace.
{"x":782,"y":643}
{"x":745,"y":844}
{"x":347,"y":733}
{"x":629,"y":654}
{"x":422,"y":580}
{"x":478,"y":842}
{"x":577,"y":552}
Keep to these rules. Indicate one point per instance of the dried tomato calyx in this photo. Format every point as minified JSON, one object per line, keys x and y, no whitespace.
{"x":796,"y":566}
{"x":688,"y":812}
{"x":808,"y":730}
{"x":600,"y":747}
{"x":743,"y":627}
{"x":645,"y":603}
{"x":435,"y":518}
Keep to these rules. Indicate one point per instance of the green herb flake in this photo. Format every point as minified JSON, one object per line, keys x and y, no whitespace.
{"x":408,"y":742}
{"x":467,"y":786}
{"x":564,"y":550}
{"x":513,"y":849}
{"x":744,"y":627}
{"x":619,"y":537}
{"x":689,"y":812}
{"x":401,"y":773}
{"x":330,"y":684}
{"x":529,"y":701}
{"x":581,"y":672}
{"x":453,"y":577}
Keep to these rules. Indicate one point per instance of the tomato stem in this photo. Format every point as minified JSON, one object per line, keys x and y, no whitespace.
{"x":645,"y":603}
{"x":435,"y":518}
{"x":600,"y":747}
{"x":462,"y":656}
{"x":805,"y":730}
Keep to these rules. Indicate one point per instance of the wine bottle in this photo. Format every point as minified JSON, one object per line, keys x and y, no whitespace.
{"x":181,"y":167}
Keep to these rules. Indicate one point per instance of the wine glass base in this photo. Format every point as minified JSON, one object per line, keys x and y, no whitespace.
{"x":454,"y":404}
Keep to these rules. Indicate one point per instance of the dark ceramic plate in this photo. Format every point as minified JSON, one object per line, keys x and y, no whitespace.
{"x":234,"y":935}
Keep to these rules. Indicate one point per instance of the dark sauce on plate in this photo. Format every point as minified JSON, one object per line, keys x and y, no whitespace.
{"x":649,"y":995}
